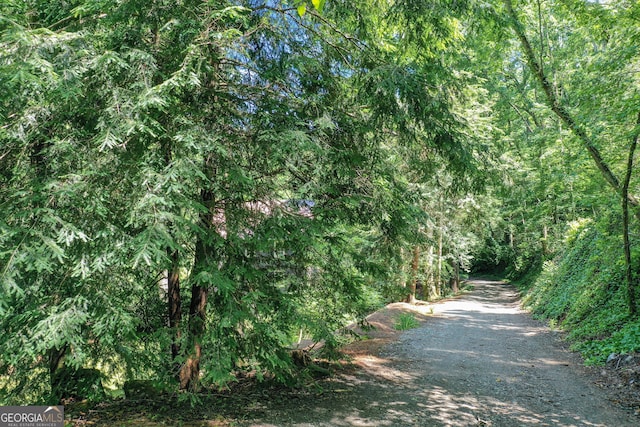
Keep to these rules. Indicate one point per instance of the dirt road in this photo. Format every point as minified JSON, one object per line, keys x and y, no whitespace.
{"x":477,"y":361}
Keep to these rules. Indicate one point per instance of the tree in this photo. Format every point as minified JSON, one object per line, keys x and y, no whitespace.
{"x":605,"y":52}
{"x":245,"y":154}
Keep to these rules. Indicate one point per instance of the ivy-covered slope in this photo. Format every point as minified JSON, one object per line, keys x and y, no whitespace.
{"x":582,"y":291}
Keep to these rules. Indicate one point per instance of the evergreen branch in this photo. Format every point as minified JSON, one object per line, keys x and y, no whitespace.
{"x":335,"y":29}
{"x":338,"y":49}
{"x":350,"y":39}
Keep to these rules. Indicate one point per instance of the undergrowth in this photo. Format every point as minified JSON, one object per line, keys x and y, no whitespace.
{"x":406,"y":321}
{"x":583,"y":292}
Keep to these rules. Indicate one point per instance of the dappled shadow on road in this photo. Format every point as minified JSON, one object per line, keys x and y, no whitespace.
{"x":408,"y":401}
{"x":478,"y":361}
{"x":494,"y":294}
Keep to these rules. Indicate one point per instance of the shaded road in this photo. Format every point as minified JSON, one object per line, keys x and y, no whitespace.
{"x":478,"y":361}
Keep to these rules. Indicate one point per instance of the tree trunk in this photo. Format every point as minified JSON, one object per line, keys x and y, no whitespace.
{"x":204,"y":253}
{"x":56,"y":358}
{"x":174,"y":303}
{"x":428,"y":288}
{"x":544,"y":242}
{"x":411,"y":297}
{"x":174,"y":297}
{"x":190,"y":372}
{"x":551,"y":93}
{"x":457,"y":275}
{"x":402,"y":277}
{"x":454,"y":281}
{"x":631,"y":286}
{"x":631,"y":292}
{"x":439,"y":266}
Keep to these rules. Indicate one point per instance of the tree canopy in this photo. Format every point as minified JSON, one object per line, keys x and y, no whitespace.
{"x":189,"y":189}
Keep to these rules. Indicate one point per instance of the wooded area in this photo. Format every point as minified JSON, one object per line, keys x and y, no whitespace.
{"x":190,"y":188}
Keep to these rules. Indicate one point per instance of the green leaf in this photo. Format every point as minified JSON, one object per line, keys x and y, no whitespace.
{"x":302,"y":9}
{"x":318,"y":4}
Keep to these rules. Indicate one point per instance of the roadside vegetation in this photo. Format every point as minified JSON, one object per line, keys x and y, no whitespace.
{"x":192,"y":190}
{"x":406,"y":321}
{"x":580,"y":291}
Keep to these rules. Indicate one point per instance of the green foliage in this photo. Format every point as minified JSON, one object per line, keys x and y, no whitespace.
{"x":266,"y":158}
{"x":406,"y":321}
{"x":549,"y":176}
{"x":582,"y":292}
{"x":282,"y":164}
{"x":140,"y":389}
{"x":301,"y":6}
{"x":625,"y":340}
{"x":81,"y":384}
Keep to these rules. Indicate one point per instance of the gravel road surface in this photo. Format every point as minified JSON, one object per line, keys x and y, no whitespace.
{"x":478,"y":360}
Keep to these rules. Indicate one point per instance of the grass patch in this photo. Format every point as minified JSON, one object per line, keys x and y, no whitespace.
{"x":406,"y":321}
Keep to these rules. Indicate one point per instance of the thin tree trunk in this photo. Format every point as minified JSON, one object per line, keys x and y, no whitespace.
{"x":411,"y":297}
{"x":190,"y":372}
{"x":402,"y":276}
{"x":457,"y":275}
{"x":174,"y":297}
{"x":511,"y":238}
{"x":55,"y":355}
{"x":439,"y":269}
{"x":56,"y":358}
{"x":439,"y":266}
{"x":428,"y":288}
{"x":551,"y":93}
{"x":454,"y":280}
{"x":631,"y":287}
{"x":174,"y":303}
